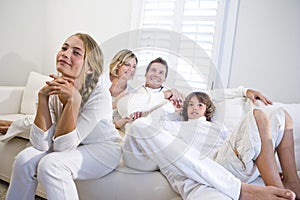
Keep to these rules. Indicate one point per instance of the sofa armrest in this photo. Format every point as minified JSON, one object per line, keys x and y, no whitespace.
{"x":10,"y":99}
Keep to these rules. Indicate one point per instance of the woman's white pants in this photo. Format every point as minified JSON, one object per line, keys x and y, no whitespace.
{"x":56,"y":171}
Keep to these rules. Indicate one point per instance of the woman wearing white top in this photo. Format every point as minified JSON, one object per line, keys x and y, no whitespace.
{"x":122,"y":69}
{"x":73,"y":136}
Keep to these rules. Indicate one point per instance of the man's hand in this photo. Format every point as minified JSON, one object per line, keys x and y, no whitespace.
{"x":173,"y":95}
{"x":178,"y":104}
{"x":255,"y":95}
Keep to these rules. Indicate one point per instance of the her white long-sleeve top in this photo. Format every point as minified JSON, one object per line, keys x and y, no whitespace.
{"x":94,"y":123}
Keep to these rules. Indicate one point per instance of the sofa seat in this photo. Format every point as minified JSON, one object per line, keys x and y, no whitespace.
{"x":126,"y":183}
{"x":123,"y":183}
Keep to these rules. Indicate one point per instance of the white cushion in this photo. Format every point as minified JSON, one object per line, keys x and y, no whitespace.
{"x":10,"y":99}
{"x":130,"y":184}
{"x":231,"y":111}
{"x":34,"y":83}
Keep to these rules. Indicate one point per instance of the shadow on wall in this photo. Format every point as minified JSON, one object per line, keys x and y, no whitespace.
{"x":15,"y":70}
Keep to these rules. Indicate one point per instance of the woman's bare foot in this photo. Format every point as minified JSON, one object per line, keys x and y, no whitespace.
{"x":249,"y":192}
{"x":294,"y":186}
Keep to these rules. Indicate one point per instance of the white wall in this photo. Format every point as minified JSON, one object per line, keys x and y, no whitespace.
{"x":21,"y":39}
{"x":266,"y":52}
{"x":32,"y":31}
{"x":267,"y":46}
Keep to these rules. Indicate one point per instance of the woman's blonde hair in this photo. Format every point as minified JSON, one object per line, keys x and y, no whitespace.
{"x":93,"y":61}
{"x":203,"y":98}
{"x":120,"y":59}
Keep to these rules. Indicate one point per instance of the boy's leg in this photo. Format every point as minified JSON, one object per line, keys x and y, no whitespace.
{"x":265,"y":161}
{"x":286,"y":155}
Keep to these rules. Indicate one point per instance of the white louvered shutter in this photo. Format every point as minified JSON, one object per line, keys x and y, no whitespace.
{"x":189,"y":50}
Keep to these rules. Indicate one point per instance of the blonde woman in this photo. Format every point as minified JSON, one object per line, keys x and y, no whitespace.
{"x":73,"y":136}
{"x":122,"y":69}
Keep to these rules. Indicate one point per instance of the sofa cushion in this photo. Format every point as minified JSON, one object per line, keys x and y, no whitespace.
{"x":34,"y":82}
{"x":231,"y":111}
{"x":10,"y":99}
{"x":129,"y":184}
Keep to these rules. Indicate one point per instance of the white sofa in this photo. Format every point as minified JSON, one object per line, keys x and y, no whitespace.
{"x":123,"y":183}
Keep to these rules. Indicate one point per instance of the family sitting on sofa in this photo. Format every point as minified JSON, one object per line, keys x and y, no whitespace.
{"x":74,"y":137}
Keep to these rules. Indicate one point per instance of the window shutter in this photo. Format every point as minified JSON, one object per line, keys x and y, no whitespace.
{"x":196,"y":20}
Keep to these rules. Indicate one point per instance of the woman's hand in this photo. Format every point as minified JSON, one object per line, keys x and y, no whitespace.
{"x":135,"y":116}
{"x":49,"y":88}
{"x":121,"y":122}
{"x":255,"y":95}
{"x":63,"y":87}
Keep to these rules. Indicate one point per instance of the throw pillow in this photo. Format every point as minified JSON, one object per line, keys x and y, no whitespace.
{"x":34,"y":83}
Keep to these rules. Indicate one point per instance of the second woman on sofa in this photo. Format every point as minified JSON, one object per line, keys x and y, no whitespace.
{"x":73,"y":136}
{"x":122,"y":69}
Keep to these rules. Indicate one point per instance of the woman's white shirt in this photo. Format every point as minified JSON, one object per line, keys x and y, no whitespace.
{"x":94,"y":123}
